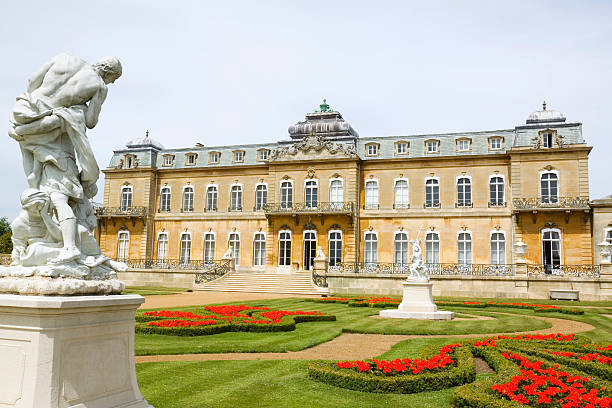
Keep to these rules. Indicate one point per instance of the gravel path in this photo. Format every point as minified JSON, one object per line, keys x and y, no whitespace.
{"x":351,"y":346}
{"x":208,"y":297}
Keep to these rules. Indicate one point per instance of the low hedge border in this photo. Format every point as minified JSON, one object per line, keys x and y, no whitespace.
{"x":536,"y":309}
{"x":462,"y":373}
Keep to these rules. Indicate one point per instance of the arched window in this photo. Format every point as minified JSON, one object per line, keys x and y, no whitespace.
{"x":234,"y":244}
{"x":496,"y":191}
{"x":236,"y":198}
{"x":551,"y":249}
{"x":212,"y":194}
{"x":162,"y":247}
{"x":261,"y":196}
{"x":259,"y":249}
{"x":401,"y":194}
{"x":187,"y":199}
{"x":164,"y":202}
{"x":123,"y":245}
{"x":335,"y":247}
{"x":286,"y":192}
{"x":464,"y":192}
{"x":185,"y":250}
{"x":549,"y":186}
{"x":371,"y":195}
{"x":464,"y":248}
{"x":401,"y":249}
{"x":336,"y":193}
{"x":311,"y":193}
{"x":209,"y":247}
{"x":126,"y":198}
{"x":370,"y":248}
{"x":498,"y":248}
{"x":432,"y":193}
{"x":284,"y":248}
{"x":432,"y":248}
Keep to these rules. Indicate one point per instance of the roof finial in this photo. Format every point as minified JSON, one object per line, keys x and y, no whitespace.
{"x":324,"y":107}
{"x":147,"y":133}
{"x":544,"y":105}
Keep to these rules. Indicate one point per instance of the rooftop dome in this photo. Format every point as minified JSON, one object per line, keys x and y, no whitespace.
{"x":545,"y":116}
{"x":145,"y":141}
{"x":324,"y":121}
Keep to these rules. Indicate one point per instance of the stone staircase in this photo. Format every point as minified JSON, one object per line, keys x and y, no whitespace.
{"x":299,"y":283}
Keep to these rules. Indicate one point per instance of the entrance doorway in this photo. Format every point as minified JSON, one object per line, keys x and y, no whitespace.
{"x":310,"y":249}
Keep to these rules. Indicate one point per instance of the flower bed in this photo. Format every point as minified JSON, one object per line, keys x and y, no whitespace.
{"x":223,"y":318}
{"x":451,"y":366}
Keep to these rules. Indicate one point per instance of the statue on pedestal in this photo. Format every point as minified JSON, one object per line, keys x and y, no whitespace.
{"x":417,"y":267}
{"x":53,"y":234}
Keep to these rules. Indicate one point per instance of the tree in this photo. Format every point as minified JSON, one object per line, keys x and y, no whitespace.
{"x":6,"y":245}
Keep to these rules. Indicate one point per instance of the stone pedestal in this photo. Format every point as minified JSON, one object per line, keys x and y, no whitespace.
{"x":68,"y":352}
{"x":417,"y":303}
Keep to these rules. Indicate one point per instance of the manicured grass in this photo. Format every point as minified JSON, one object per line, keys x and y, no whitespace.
{"x":569,"y":303}
{"x":349,"y":319}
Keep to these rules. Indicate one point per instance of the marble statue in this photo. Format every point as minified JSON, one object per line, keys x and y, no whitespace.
{"x":417,"y":267}
{"x":53,"y":234}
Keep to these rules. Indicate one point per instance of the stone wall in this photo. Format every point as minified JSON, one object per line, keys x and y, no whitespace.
{"x":158,"y":277}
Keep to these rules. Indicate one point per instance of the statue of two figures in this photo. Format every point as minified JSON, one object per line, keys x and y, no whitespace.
{"x":53,"y":234}
{"x":418,"y":271}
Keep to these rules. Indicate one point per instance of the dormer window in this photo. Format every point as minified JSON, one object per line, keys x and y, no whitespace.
{"x":263,"y":154}
{"x":495,"y":143}
{"x":239,"y":156}
{"x":130,"y":161}
{"x":464,"y":145}
{"x":168,"y":160}
{"x":548,"y":139}
{"x":190,"y":159}
{"x":401,"y":148}
{"x":432,"y":146}
{"x":214,"y":157}
{"x":372,"y":149}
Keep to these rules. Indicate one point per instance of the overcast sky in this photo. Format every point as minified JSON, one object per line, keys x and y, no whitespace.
{"x":228,"y":72}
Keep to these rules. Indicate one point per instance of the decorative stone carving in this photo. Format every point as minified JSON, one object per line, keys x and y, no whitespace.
{"x":520,"y":250}
{"x":55,"y":251}
{"x":313,"y":145}
{"x":605,"y":250}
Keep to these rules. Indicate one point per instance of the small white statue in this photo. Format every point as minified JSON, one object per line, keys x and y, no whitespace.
{"x":417,"y":267}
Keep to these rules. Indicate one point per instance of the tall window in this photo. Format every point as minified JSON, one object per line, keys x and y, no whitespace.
{"x":432,"y":248}
{"x":370,"y":248}
{"x":401,"y":248}
{"x":549,"y":185}
{"x":126,"y":198}
{"x":496,"y":191}
{"x":498,"y":248}
{"x":188,"y":199}
{"x":259,"y":249}
{"x":261,"y":196}
{"x":547,"y":139}
{"x":209,"y":247}
{"x":401,"y":194}
{"x":123,"y":245}
{"x":162,"y":247}
{"x":464,"y":248}
{"x":551,"y":249}
{"x":164,"y":204}
{"x":211,"y":198}
{"x":464,"y":192}
{"x":311,"y":193}
{"x":371,"y":194}
{"x":286,"y":191}
{"x":432,"y":193}
{"x":310,"y":249}
{"x":234,"y":244}
{"x":284,"y":248}
{"x":335,"y":247}
{"x":336,"y":193}
{"x":185,"y":250}
{"x":236,"y":198}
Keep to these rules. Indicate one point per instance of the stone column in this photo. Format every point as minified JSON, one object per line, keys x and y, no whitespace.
{"x":520,"y":264}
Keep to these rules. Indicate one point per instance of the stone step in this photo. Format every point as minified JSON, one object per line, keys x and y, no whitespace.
{"x":265,"y":282}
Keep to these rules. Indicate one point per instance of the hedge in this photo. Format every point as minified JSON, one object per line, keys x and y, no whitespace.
{"x":464,"y":372}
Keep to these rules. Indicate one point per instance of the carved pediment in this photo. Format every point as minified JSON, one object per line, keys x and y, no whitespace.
{"x":313,"y":146}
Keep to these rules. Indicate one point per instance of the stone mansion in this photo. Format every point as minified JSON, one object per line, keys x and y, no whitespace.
{"x":470,"y":197}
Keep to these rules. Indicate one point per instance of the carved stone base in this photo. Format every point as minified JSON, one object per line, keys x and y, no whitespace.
{"x":38,"y":285}
{"x":68,"y":352}
{"x":417,"y":303}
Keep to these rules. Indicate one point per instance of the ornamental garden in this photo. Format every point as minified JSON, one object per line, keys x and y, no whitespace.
{"x":337,"y":352}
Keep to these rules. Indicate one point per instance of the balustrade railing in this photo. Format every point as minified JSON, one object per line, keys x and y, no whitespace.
{"x":319,"y":207}
{"x":577,"y":271}
{"x":121,"y":211}
{"x":205,"y":270}
{"x":319,"y":280}
{"x":534,"y":203}
{"x":433,"y":269}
